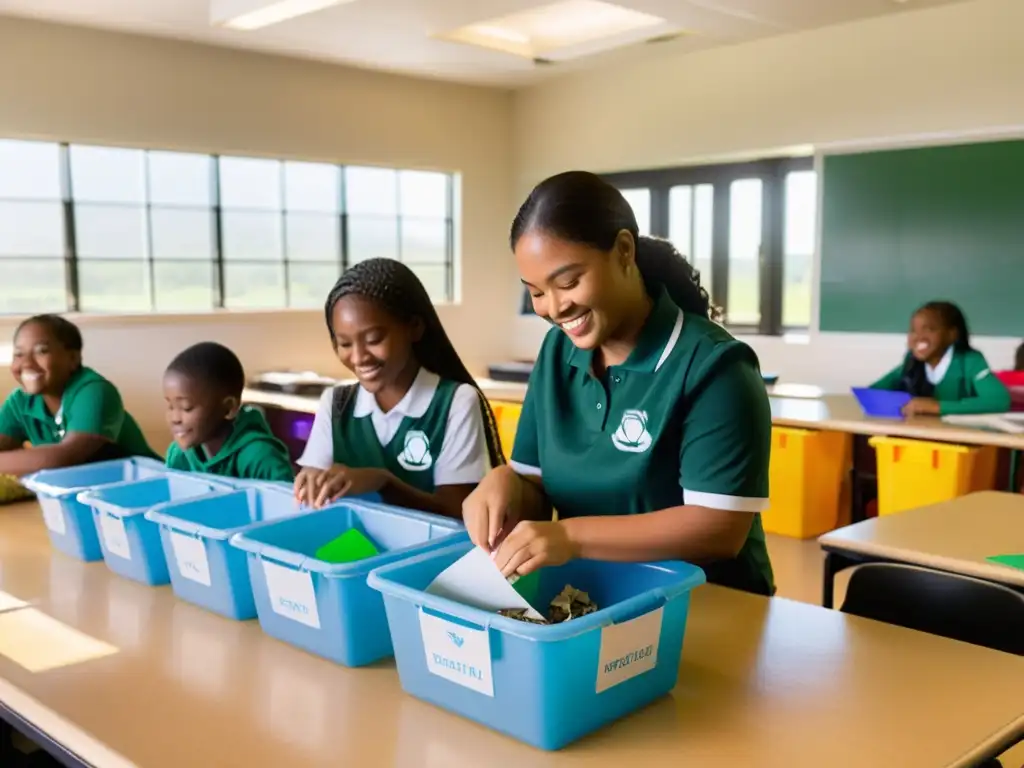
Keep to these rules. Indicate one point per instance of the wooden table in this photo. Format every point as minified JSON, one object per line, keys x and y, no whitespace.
{"x":765,"y":682}
{"x":954,"y":536}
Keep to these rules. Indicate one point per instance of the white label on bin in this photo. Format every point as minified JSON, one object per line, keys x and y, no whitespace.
{"x":291,"y":593}
{"x":628,"y":649}
{"x":115,"y":537}
{"x":457,"y":653}
{"x":190,"y":553}
{"x":53,"y":516}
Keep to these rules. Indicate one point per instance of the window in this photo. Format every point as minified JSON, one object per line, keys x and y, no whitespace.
{"x":748,"y":228}
{"x":107,"y":229}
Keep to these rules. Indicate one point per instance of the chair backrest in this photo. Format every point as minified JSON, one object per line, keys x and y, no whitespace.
{"x":940,"y":603}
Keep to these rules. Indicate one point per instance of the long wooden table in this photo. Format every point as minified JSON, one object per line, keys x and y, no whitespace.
{"x":766,"y":682}
{"x":955,"y":536}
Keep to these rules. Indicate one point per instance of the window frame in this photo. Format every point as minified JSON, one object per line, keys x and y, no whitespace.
{"x":772,"y":172}
{"x":216,"y":210}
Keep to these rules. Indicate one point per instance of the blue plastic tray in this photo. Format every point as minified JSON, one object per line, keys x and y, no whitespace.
{"x":327,"y":608}
{"x":69,"y":522}
{"x":881,"y":403}
{"x":204,"y":568}
{"x":546,"y":685}
{"x":131,"y":543}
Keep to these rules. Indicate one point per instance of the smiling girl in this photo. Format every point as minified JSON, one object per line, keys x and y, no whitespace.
{"x":68,"y":413}
{"x":415,"y":428}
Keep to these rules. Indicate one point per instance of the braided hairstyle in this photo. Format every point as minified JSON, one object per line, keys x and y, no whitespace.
{"x":914,"y":379}
{"x":584,"y":208}
{"x":395,"y":287}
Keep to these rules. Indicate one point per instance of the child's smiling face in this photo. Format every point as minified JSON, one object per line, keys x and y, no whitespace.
{"x":40,"y":363}
{"x":195,"y":413}
{"x":376,"y":346}
{"x":929,"y":336}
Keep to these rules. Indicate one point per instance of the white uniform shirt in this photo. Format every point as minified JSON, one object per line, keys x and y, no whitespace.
{"x":463,"y":458}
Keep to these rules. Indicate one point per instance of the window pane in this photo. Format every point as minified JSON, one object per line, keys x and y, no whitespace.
{"x":371,"y":190}
{"x":183,"y":286}
{"x":423,"y":194}
{"x":30,"y":170}
{"x":176,"y":178}
{"x":312,"y":187}
{"x":308,"y":283}
{"x":40,"y":286}
{"x":247,"y":182}
{"x":108,"y":175}
{"x":181,"y":234}
{"x":424,"y":240}
{"x":744,"y":305}
{"x":434,"y":279}
{"x":801,"y":218}
{"x":703,"y":228}
{"x":113,"y":286}
{"x":640,"y":201}
{"x":370,"y":238}
{"x":680,"y":219}
{"x":254,"y":286}
{"x":313,"y":237}
{"x":249,"y":235}
{"x":31,"y":229}
{"x":110,"y":232}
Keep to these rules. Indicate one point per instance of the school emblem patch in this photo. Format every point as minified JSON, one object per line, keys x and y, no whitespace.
{"x":415,"y":455}
{"x":632,"y":435}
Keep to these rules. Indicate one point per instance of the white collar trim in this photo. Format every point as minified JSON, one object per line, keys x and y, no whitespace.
{"x":938,"y":373}
{"x":414,"y":404}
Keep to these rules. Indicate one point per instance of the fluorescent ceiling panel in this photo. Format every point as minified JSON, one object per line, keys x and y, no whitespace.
{"x":540,"y":31}
{"x":256,"y":14}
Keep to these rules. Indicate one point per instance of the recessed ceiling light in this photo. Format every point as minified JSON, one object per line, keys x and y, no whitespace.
{"x":256,"y":14}
{"x":539,"y":31}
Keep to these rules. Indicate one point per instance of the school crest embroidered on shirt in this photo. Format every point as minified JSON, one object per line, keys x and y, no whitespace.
{"x":632,"y":435}
{"x":415,"y":455}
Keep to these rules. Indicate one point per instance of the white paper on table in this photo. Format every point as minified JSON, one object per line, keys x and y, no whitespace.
{"x":475,"y":580}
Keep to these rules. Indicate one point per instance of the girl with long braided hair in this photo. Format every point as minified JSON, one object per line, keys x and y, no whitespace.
{"x":416,"y":428}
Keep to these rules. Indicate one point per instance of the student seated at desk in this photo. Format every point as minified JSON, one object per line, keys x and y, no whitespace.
{"x":416,"y":428}
{"x":942,"y":371}
{"x":68,"y":413}
{"x":213,"y":432}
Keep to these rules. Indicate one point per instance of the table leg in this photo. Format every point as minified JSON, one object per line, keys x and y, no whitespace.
{"x":1014,"y":460}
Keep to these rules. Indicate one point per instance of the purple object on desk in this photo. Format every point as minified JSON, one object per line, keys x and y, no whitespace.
{"x":881,"y":402}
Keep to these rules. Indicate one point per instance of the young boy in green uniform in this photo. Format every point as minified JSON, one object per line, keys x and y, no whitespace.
{"x":68,"y":413}
{"x":941,"y":370}
{"x":213,"y":432}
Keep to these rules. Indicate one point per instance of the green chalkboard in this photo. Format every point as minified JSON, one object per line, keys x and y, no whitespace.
{"x":902,"y":227}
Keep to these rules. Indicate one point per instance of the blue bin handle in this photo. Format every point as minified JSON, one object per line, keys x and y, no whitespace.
{"x":637,"y":606}
{"x":455,"y":619}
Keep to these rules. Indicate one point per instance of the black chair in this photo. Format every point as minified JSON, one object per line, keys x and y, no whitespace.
{"x":940,"y":603}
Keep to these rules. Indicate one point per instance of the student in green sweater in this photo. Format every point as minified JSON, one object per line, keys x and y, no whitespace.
{"x":941,"y":370}
{"x":67,"y":413}
{"x":213,"y":432}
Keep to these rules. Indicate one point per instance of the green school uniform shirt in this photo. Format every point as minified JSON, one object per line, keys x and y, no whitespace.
{"x":963,"y":383}
{"x":685,"y":420}
{"x":251,"y":452}
{"x":90,"y":404}
{"x":411,"y":453}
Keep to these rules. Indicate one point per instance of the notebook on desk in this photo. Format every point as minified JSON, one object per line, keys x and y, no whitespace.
{"x":1011,"y":423}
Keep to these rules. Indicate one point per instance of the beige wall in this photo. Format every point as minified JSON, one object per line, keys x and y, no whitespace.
{"x":956,"y":70}
{"x":89,"y":86}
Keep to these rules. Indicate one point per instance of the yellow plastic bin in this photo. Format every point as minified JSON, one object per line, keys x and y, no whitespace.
{"x":916,"y":473}
{"x":807,"y":472}
{"x":507,"y":416}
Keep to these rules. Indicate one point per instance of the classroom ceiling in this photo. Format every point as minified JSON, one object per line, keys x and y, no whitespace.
{"x":405,"y":35}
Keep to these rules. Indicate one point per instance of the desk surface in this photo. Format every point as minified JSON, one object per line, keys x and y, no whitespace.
{"x":843,"y":414}
{"x":762,"y":682}
{"x":953,"y":536}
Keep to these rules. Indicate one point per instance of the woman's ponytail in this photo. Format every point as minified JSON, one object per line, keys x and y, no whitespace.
{"x":661,"y":264}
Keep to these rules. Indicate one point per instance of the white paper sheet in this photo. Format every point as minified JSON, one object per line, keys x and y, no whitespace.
{"x":475,"y":580}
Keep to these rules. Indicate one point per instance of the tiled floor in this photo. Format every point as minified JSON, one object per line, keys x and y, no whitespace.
{"x":798,"y":568}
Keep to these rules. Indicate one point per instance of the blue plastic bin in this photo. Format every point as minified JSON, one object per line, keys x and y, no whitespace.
{"x":68,"y":521}
{"x":546,"y":685}
{"x":881,"y":403}
{"x":327,"y":608}
{"x":204,"y":568}
{"x":131,"y":543}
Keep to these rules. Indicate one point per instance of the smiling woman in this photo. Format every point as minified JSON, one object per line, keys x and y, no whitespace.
{"x":646,"y":425}
{"x":67,"y":412}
